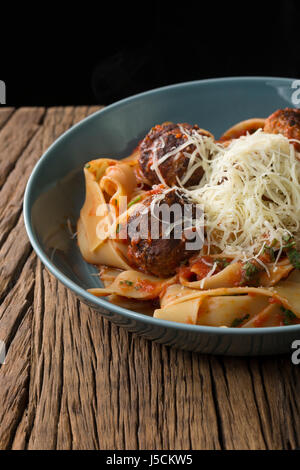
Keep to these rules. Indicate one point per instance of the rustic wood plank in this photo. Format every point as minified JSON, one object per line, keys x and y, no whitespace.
{"x":83,"y":399}
{"x":72,"y":380}
{"x":61,"y":366}
{"x":16,"y":249}
{"x":17,"y":301}
{"x":276,"y":384}
{"x":252,"y":401}
{"x":5,"y":114}
{"x":12,"y":192}
{"x":15,"y":331}
{"x":14,"y":382}
{"x":238,"y":413}
{"x":47,"y":381}
{"x":15,"y":135}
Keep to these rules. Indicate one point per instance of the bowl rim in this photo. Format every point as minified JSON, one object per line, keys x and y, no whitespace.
{"x":101,"y":302}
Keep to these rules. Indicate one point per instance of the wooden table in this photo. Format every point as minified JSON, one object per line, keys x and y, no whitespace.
{"x":72,"y":380}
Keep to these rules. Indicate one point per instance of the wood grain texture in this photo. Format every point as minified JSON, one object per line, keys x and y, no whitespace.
{"x":72,"y":380}
{"x":5,"y":113}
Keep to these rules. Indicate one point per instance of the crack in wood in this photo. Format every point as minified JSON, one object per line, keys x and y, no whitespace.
{"x":5,"y":115}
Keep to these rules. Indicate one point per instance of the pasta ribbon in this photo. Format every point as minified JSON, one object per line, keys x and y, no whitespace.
{"x":133,"y":284}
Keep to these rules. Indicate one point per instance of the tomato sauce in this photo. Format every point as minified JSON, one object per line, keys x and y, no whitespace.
{"x":274,"y":300}
{"x":146,"y":286}
{"x":201,"y":267}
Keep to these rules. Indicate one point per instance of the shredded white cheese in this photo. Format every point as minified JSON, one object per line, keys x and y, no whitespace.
{"x":204,"y":148}
{"x":251,"y":195}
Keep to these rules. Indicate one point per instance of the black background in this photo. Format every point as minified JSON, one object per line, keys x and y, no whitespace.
{"x":97,"y":53}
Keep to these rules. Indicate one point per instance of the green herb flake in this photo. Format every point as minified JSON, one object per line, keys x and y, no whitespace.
{"x":222,"y":262}
{"x":250,"y":270}
{"x":294,"y":257}
{"x":129,"y":283}
{"x":269,"y":251}
{"x":134,"y":201}
{"x":238,"y":321}
{"x":118,"y":228}
{"x":292,"y":253}
{"x":290,"y":245}
{"x":288,"y":316}
{"x":87,"y":165}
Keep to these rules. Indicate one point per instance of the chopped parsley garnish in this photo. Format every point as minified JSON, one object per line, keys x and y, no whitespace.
{"x":128,"y":283}
{"x":87,"y":165}
{"x":222,"y":263}
{"x":134,"y":201}
{"x":293,"y":254}
{"x":268,"y":250}
{"x":291,"y":244}
{"x":238,"y":321}
{"x":294,"y":257}
{"x":288,"y":316}
{"x":250,"y":270}
{"x":289,"y":247}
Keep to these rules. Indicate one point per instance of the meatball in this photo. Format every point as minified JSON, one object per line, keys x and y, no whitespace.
{"x":156,"y":249}
{"x":286,"y":122}
{"x":158,"y":142}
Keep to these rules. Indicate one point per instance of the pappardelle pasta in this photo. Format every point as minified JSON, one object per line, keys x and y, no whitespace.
{"x":197,"y":230}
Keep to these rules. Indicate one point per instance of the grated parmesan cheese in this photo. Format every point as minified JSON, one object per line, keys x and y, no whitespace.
{"x":205,"y":148}
{"x":250,"y":193}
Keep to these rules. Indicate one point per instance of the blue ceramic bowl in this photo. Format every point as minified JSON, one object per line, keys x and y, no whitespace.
{"x":55,"y":192}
